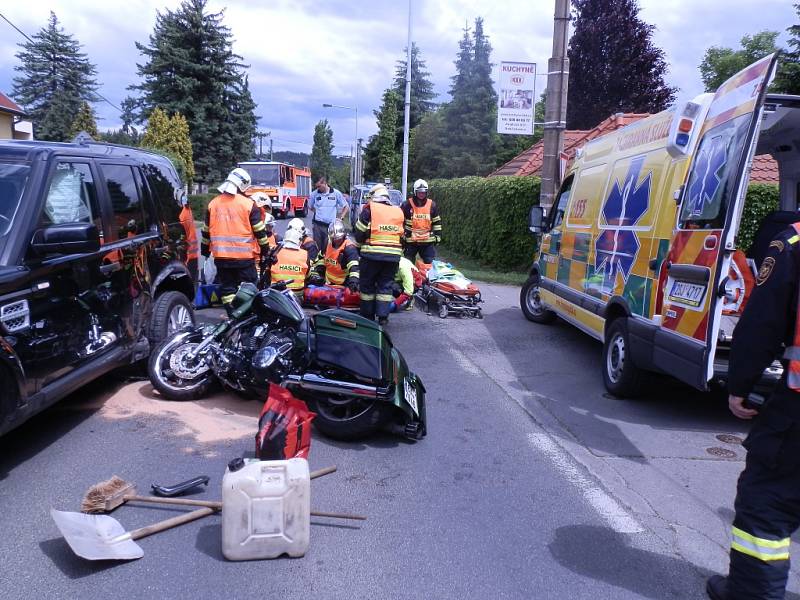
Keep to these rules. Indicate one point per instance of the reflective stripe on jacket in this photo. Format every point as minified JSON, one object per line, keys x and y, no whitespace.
{"x":291,"y":264}
{"x":230,"y":231}
{"x":334,"y":273}
{"x":385,"y":230}
{"x":421,"y":222}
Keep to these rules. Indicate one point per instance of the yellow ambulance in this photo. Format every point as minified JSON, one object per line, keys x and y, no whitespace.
{"x":639,"y":250}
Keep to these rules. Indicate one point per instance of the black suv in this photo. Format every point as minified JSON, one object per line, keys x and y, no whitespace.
{"x":92,"y":266}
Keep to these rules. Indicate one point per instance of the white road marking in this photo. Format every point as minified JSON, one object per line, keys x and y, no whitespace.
{"x":607,"y":507}
{"x":464,"y":362}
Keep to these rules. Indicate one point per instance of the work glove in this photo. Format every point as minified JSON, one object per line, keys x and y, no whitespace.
{"x":352,"y":285}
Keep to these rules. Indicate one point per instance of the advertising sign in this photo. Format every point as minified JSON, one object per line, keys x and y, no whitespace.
{"x":516,"y":98}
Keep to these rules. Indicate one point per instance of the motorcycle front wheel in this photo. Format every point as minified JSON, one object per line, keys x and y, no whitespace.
{"x":173,"y":374}
{"x":346,"y":418}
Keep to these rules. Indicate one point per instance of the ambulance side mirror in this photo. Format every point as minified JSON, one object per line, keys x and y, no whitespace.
{"x":536,"y":220}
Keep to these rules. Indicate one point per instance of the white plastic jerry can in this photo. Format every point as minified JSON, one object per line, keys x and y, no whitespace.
{"x":266,"y":508}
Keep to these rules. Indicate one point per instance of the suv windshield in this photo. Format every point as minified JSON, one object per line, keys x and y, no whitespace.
{"x":13,"y":177}
{"x":263,"y":175}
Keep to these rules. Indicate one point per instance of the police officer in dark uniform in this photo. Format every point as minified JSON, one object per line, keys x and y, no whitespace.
{"x":768,"y":493}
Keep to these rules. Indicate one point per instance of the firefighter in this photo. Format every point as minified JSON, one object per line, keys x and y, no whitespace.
{"x":339,"y":264}
{"x":768,"y":492}
{"x":291,"y":263}
{"x":307,"y":242}
{"x":379,"y":234}
{"x":232,"y":221}
{"x":403,"y":287}
{"x":423,"y":225}
{"x":186,"y":218}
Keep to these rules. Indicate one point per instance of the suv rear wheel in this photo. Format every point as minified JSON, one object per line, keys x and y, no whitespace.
{"x":171,"y":312}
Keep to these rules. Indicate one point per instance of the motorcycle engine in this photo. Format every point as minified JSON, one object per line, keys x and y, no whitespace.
{"x":277,"y":345}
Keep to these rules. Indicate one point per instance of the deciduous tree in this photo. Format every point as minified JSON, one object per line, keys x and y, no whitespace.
{"x":171,"y":135}
{"x":720,"y":64}
{"x":322,"y":151}
{"x":84,"y":121}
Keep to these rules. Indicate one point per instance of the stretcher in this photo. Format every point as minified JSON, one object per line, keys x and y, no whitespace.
{"x":445,"y":291}
{"x":330,"y":296}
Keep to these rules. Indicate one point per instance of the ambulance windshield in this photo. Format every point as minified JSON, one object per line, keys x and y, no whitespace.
{"x":713,"y":175}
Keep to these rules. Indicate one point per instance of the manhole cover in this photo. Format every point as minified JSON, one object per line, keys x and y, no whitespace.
{"x":721,"y":452}
{"x":727,"y":438}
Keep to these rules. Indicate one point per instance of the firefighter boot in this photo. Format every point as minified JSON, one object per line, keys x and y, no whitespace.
{"x":717,"y":587}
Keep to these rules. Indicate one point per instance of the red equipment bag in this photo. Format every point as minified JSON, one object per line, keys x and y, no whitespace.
{"x":330,"y":296}
{"x":284,"y":427}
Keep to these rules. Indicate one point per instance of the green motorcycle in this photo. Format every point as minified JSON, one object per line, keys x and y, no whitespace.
{"x":342,"y":365}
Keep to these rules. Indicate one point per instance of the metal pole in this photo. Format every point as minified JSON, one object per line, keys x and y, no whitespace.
{"x":555,"y":112}
{"x":407,"y":111}
{"x":270,"y":148}
{"x":358,"y":156}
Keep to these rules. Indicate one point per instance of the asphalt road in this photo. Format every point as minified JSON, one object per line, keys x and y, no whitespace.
{"x":530,"y":484}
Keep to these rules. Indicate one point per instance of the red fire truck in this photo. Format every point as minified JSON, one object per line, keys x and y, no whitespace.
{"x":287,"y":186}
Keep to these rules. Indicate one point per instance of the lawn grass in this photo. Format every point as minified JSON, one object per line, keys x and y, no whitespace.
{"x":474,"y":269}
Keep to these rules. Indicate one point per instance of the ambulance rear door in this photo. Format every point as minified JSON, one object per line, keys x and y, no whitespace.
{"x":711,"y":204}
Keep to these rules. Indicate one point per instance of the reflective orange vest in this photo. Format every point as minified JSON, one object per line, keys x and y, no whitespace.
{"x":385,"y":230}
{"x":421,"y":222}
{"x":792,"y":353}
{"x":229,"y":227}
{"x":187,"y":220}
{"x":292,"y":264}
{"x":334,"y":273}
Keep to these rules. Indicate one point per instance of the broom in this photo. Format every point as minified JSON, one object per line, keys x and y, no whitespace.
{"x":107,"y":495}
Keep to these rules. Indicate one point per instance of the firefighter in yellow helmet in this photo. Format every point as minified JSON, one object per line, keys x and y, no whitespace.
{"x":379,"y":234}
{"x":423,"y":224}
{"x":232,"y":222}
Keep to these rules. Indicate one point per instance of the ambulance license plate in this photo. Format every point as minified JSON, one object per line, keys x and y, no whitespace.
{"x":691,"y":294}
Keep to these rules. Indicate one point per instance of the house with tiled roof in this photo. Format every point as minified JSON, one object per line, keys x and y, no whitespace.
{"x":13,"y":123}
{"x":529,"y":162}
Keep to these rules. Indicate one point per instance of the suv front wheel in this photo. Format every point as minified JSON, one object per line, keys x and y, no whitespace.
{"x":172,"y":312}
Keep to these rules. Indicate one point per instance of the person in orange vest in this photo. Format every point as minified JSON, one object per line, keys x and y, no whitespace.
{"x":423,"y":224}
{"x":307,"y":242}
{"x":232,"y":221}
{"x":186,"y":217}
{"x":339,"y":264}
{"x":291,"y":263}
{"x":379,"y":234}
{"x":767,"y":505}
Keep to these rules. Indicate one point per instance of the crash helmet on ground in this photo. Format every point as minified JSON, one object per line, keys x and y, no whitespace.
{"x":420,"y":185}
{"x":292,"y":239}
{"x":336,"y":233}
{"x":379,"y":193}
{"x":298,"y":225}
{"x":237,"y":180}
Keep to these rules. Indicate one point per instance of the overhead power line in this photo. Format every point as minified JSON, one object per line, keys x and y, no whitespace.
{"x":27,"y":37}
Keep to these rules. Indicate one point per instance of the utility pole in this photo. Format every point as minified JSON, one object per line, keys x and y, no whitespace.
{"x":359,"y":163}
{"x":270,"y":148}
{"x":407,"y":111}
{"x":555,"y":106}
{"x":261,"y":135}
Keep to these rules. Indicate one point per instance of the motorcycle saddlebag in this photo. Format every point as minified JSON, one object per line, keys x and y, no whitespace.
{"x":354,"y":344}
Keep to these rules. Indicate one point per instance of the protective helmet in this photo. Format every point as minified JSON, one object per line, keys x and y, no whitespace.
{"x":336,"y":233}
{"x":261,"y":199}
{"x":298,"y":225}
{"x":420,"y":185}
{"x":379,"y":193}
{"x":238,"y":179}
{"x":269,"y":220}
{"x":292,"y":239}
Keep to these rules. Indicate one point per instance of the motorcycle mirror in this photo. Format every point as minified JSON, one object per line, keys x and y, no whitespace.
{"x":264,"y":358}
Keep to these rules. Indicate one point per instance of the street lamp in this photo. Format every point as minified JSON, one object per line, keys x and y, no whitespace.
{"x":357,"y":165}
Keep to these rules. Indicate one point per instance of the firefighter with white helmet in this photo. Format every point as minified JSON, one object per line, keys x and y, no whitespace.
{"x":232,"y":223}
{"x":291,"y":263}
{"x":379,"y":234}
{"x":422,"y":224}
{"x":339,"y":264}
{"x":307,"y":243}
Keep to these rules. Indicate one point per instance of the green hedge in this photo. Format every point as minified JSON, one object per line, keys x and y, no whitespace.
{"x":487,"y":219}
{"x":199,"y":202}
{"x":762,"y":198}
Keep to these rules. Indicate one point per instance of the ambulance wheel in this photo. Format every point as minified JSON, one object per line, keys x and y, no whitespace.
{"x":621,"y":377}
{"x":531,"y":303}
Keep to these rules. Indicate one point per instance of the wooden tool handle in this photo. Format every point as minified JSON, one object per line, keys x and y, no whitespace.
{"x":321,"y":472}
{"x":138,"y":534}
{"x":317,"y":513}
{"x":175,"y":501}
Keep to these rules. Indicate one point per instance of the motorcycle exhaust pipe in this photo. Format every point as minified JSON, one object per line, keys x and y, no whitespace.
{"x":316,"y":383}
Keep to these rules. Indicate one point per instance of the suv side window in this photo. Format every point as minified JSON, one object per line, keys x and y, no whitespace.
{"x":126,"y":203}
{"x":72,"y":196}
{"x":166,"y":191}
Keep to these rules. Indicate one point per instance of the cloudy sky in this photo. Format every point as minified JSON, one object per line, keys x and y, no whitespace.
{"x":304,"y":53}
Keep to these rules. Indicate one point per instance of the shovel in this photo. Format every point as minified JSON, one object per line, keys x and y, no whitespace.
{"x":100,"y":537}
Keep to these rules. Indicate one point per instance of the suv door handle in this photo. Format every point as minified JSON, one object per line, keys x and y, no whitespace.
{"x":110,"y":268}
